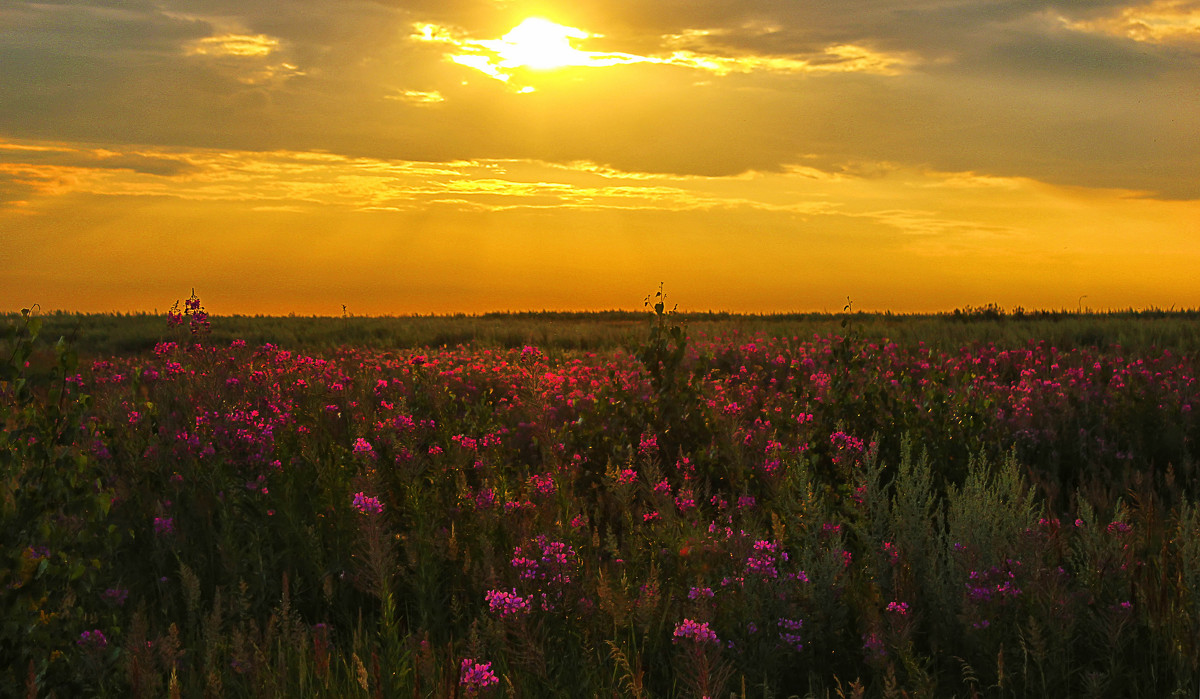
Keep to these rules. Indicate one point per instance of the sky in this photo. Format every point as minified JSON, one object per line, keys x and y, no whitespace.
{"x":397,"y":157}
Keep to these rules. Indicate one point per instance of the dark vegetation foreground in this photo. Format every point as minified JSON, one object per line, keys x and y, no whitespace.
{"x":967,"y":505}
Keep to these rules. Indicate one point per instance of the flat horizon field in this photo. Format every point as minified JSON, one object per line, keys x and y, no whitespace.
{"x":101,"y":333}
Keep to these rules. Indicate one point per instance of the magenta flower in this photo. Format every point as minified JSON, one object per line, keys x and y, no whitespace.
{"x":626,"y":476}
{"x":367,"y":505}
{"x":789,"y":632}
{"x":474,"y":676}
{"x":873,"y":645}
{"x":363,"y":448}
{"x":94,"y":640}
{"x":648,"y":444}
{"x":507,"y":603}
{"x":696,"y":631}
{"x":543,"y":485}
{"x":164,"y":526}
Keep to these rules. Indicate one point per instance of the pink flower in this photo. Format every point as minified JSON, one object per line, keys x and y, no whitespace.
{"x":92,"y":639}
{"x":474,"y":676}
{"x":164,"y":526}
{"x":363,"y":448}
{"x":698,"y":632}
{"x":543,"y":485}
{"x":507,"y":603}
{"x":648,"y":444}
{"x":367,"y":504}
{"x":626,"y":476}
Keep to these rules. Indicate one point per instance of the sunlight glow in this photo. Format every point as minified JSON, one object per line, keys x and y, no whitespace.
{"x":535,"y":44}
{"x":539,"y":44}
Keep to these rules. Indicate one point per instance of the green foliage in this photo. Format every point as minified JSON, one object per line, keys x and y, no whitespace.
{"x":54,"y":520}
{"x":678,"y":416}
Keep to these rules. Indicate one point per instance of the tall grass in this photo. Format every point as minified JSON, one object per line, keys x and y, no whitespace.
{"x":99,"y":334}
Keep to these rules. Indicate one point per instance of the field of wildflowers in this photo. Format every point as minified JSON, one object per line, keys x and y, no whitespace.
{"x":744,"y":515}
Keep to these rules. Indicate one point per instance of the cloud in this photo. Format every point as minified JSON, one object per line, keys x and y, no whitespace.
{"x":233,"y":45}
{"x":416,"y":96}
{"x":1157,"y":22}
{"x":63,"y":155}
{"x":1095,"y":94}
{"x":694,"y":49}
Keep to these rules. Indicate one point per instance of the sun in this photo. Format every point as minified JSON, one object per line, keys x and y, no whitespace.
{"x":540,"y":44}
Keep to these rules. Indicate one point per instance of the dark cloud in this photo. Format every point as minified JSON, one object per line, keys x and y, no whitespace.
{"x":161,"y":165}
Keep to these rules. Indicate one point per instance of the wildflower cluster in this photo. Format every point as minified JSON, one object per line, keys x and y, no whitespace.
{"x":625,"y":499}
{"x":507,"y":603}
{"x":475,"y":676}
{"x":555,"y":563}
{"x":192,"y":313}
{"x":367,"y":504}
{"x":789,"y":632}
{"x":94,"y":639}
{"x":363,"y":448}
{"x":762,"y":561}
{"x":695,"y":631}
{"x":994,"y":583}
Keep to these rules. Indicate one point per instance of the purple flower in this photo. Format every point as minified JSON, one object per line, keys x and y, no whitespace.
{"x":543,"y":485}
{"x":164,"y":526}
{"x":36,"y":553}
{"x":762,"y":561}
{"x":474,"y":676}
{"x":507,"y":603}
{"x":873,"y":645}
{"x":695,"y":631}
{"x":789,"y":632}
{"x":367,"y":504}
{"x":363,"y":448}
{"x":92,"y":640}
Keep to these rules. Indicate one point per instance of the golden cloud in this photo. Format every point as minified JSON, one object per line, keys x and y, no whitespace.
{"x":233,"y":45}
{"x":552,"y":48}
{"x":1161,"y":21}
{"x":416,"y":96}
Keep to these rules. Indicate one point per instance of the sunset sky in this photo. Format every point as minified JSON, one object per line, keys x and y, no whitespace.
{"x":418,"y":156}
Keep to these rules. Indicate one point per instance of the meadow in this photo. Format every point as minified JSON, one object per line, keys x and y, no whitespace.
{"x":979,"y":504}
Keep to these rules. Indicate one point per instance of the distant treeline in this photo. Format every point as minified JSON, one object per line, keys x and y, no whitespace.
{"x":95,"y":334}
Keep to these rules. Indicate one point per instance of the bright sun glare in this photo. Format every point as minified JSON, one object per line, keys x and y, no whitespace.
{"x":540,"y":44}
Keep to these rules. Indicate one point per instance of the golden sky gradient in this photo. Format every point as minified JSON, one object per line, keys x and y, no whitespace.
{"x":418,"y":156}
